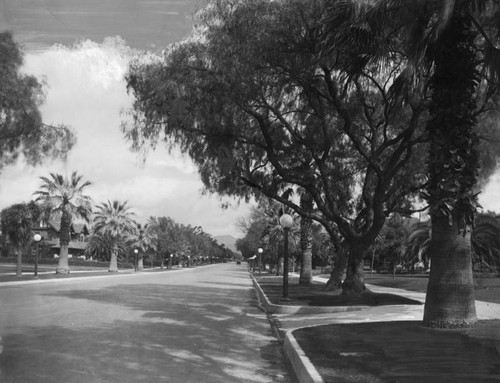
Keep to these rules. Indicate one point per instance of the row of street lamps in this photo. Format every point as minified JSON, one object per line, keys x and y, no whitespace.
{"x":37,"y":238}
{"x":136,"y":252}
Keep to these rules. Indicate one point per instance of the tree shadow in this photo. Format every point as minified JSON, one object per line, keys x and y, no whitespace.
{"x":316,"y":295}
{"x":365,"y":299}
{"x":400,"y":351}
{"x":175,"y":339}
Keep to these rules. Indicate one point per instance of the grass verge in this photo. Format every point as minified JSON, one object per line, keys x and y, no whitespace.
{"x":315,"y":295}
{"x":403,"y":352}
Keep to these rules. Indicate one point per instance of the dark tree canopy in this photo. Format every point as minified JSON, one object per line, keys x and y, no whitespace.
{"x":259,"y":106}
{"x":22,"y":130}
{"x":267,"y":96}
{"x":16,"y":222}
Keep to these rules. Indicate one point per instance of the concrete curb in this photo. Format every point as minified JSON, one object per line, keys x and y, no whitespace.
{"x":288,"y":309}
{"x":302,"y":366}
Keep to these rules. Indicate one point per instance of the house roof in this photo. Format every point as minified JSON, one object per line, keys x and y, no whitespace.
{"x":73,"y":245}
{"x":76,"y":228}
{"x":80,"y":228}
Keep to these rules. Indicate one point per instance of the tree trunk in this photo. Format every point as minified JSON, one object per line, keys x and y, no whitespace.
{"x":113,"y":263}
{"x":339,"y":265}
{"x":306,"y":276}
{"x":450,"y":293}
{"x":354,"y":283}
{"x":140,"y":264}
{"x":279,"y":266}
{"x":453,"y":165}
{"x":19,"y":269}
{"x":63,"y":266}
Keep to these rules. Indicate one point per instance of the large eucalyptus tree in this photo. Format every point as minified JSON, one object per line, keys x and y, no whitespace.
{"x":262,"y":105}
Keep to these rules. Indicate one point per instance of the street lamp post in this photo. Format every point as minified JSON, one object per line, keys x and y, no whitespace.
{"x":260,"y":259}
{"x":286,"y":221}
{"x":170,"y":261}
{"x":135,"y":259}
{"x":37,"y":237}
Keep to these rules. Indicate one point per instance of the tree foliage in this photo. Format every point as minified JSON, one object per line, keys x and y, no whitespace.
{"x":64,"y":197}
{"x":262,"y":102}
{"x":17,"y":222}
{"x":22,"y":130}
{"x":164,"y":237}
{"x":114,"y":225}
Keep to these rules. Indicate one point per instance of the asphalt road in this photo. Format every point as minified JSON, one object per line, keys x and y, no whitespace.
{"x":195,"y":325}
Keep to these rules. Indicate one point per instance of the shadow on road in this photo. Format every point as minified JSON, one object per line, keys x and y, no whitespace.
{"x":175,"y":339}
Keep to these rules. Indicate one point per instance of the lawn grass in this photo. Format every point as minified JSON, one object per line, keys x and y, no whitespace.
{"x":403,"y":351}
{"x":75,"y":272}
{"x":486,"y":286}
{"x":399,"y":351}
{"x":315,"y":295}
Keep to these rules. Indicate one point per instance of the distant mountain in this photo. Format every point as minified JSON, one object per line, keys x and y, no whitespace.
{"x":227,"y":240}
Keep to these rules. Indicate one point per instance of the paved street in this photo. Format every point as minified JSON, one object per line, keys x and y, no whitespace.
{"x":194,"y":325}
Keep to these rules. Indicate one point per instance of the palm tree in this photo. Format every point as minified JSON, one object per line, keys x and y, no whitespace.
{"x":115,"y":220}
{"x":452,"y":43}
{"x":417,"y":246}
{"x":275,"y":237}
{"x":486,"y":242}
{"x":306,"y":204}
{"x":144,"y":240}
{"x":102,"y":244}
{"x":64,"y":197}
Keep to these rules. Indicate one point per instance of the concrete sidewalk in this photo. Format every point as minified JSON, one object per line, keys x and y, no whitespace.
{"x":290,"y":318}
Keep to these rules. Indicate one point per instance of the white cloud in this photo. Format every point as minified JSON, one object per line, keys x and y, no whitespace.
{"x":86,"y":90}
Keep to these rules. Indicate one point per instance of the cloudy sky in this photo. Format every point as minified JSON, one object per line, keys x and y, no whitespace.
{"x":73,"y":46}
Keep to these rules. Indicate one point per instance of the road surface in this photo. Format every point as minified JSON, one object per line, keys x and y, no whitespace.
{"x":193,"y":325}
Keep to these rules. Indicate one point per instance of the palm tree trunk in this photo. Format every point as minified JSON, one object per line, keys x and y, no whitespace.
{"x":140,"y":264}
{"x":113,"y":262}
{"x":19,"y":269}
{"x":63,"y":265}
{"x":450,"y":293}
{"x":64,"y":238}
{"x":306,"y":276}
{"x":279,"y":266}
{"x":453,"y":164}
